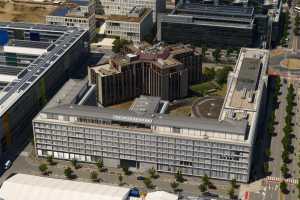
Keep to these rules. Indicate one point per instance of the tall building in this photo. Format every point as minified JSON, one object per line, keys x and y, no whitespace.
{"x":165,"y":72}
{"x":123,"y":7}
{"x":77,"y":13}
{"x":213,"y":26}
{"x":221,"y":149}
{"x":35,"y":60}
{"x":135,"y":26}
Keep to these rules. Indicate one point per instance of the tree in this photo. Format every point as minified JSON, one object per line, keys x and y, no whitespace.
{"x":202,"y":188}
{"x":75,"y":163}
{"x":283,"y":187}
{"x":205,"y":180}
{"x":231,"y":193}
{"x":100,"y":165}
{"x":284,"y":170}
{"x":174,"y":185}
{"x":217,"y":54}
{"x":148,"y":183}
{"x":209,"y":73}
{"x":43,"y":168}
{"x":179,"y":176}
{"x":120,"y":179}
{"x":153,"y":173}
{"x":204,"y":50}
{"x":119,"y":44}
{"x":233,"y":183}
{"x":126,"y":171}
{"x":68,"y":172}
{"x":222,"y":74}
{"x":94,"y":176}
{"x":50,"y":160}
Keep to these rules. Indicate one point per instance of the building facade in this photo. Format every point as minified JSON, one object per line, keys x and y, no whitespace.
{"x":221,"y":149}
{"x":34,"y":85}
{"x":78,"y":13}
{"x":166,"y":73}
{"x":135,"y":26}
{"x":212,"y":26}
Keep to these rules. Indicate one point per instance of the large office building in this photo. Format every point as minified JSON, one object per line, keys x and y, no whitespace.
{"x":142,"y":139}
{"x":156,"y":71}
{"x":135,"y":26}
{"x":35,"y":60}
{"x":123,"y":7}
{"x":213,"y":26}
{"x":77,"y":13}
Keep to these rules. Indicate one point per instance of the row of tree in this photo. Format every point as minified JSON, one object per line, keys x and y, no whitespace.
{"x":297,"y":25}
{"x":287,"y":21}
{"x":219,"y":75}
{"x":287,"y":130}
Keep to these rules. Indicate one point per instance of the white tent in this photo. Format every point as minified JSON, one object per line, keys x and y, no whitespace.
{"x":22,"y":186}
{"x":161,"y":195}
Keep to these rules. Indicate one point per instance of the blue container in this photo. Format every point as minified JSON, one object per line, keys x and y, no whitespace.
{"x":3,"y":37}
{"x":34,"y":36}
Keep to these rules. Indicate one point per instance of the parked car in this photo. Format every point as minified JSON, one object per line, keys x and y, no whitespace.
{"x":140,"y":178}
{"x":134,"y":192}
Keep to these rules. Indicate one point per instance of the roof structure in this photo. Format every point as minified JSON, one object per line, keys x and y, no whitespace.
{"x":43,"y":188}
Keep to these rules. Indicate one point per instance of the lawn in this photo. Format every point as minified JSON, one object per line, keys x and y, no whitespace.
{"x":205,"y":88}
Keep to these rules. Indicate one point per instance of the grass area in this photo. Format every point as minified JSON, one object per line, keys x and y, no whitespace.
{"x":221,"y":91}
{"x":206,"y":88}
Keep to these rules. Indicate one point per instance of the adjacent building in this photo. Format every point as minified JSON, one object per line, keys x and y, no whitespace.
{"x":135,"y":26}
{"x":160,"y":71}
{"x":35,"y":60}
{"x":213,"y":26}
{"x":142,"y":139}
{"x":77,"y":13}
{"x":123,"y":7}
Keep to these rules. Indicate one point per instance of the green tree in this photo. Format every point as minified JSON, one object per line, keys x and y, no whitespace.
{"x":217,"y":54}
{"x":148,"y":183}
{"x":119,"y":44}
{"x":179,"y":177}
{"x":50,"y":160}
{"x":209,"y":73}
{"x":283,"y":187}
{"x":94,"y":176}
{"x":153,"y":173}
{"x":202,"y":188}
{"x":68,"y":172}
{"x":43,"y":168}
{"x":284,"y":170}
{"x":204,"y":50}
{"x":120,"y":179}
{"x":233,"y":183}
{"x":174,"y":185}
{"x":74,"y":163}
{"x":100,"y":165}
{"x":126,"y":171}
{"x":231,"y":193}
{"x":222,"y":74}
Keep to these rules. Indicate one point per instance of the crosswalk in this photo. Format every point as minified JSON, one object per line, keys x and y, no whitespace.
{"x":278,"y":179}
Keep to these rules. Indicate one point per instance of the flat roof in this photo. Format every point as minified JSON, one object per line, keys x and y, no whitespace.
{"x":35,"y":70}
{"x":68,"y":93}
{"x":109,"y":114}
{"x":23,"y":186}
{"x":28,"y":43}
{"x":145,"y":104}
{"x":128,"y":17}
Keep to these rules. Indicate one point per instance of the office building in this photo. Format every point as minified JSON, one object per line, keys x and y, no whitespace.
{"x":160,"y":71}
{"x":35,"y":60}
{"x":123,"y":7}
{"x":135,"y":26}
{"x":76,"y":13}
{"x":221,"y":149}
{"x":213,"y":26}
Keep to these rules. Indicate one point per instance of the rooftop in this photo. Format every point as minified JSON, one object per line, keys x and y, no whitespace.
{"x":30,"y":75}
{"x":69,"y":93}
{"x":145,"y":104}
{"x":37,"y":188}
{"x":133,"y":16}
